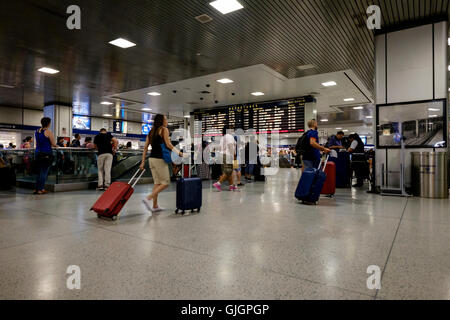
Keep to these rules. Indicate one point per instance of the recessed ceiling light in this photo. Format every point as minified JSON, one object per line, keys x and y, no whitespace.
{"x":107,"y":115}
{"x":146,"y":109}
{"x":122,"y":43}
{"x":315,"y":111}
{"x":258,"y":93}
{"x":306,"y":67}
{"x":433,"y":109}
{"x":48,"y":70}
{"x":324,"y":120}
{"x":225,"y":80}
{"x":358,"y":108}
{"x":349,"y":99}
{"x":106,"y":103}
{"x":329,"y":84}
{"x":434,"y":116}
{"x":154,"y":94}
{"x":369,"y":117}
{"x":345,"y":130}
{"x":226,"y":6}
{"x":338,"y":128}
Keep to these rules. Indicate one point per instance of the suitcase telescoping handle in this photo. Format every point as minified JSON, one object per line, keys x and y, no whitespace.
{"x":137,"y":179}
{"x":326,"y":162}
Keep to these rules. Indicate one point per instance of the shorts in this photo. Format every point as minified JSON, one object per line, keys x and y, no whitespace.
{"x":160,"y":171}
{"x":227,"y":169}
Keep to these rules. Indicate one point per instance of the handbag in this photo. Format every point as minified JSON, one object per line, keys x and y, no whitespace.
{"x":167,"y":156}
{"x":44,"y":159}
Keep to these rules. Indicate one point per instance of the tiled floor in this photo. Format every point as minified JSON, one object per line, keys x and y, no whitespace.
{"x":255,"y":244}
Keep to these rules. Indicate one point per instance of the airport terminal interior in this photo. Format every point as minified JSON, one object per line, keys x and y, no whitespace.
{"x":334,"y":115}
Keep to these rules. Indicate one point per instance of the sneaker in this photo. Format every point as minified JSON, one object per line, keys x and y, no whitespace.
{"x":217,"y":186}
{"x":159,"y":209}
{"x":233,"y":188}
{"x":148,"y":204}
{"x":100,"y":189}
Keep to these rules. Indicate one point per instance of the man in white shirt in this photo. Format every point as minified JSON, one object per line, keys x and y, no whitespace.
{"x":227,"y":152}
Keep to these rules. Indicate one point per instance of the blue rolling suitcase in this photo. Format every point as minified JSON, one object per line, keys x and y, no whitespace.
{"x":189,"y":194}
{"x":311,"y":184}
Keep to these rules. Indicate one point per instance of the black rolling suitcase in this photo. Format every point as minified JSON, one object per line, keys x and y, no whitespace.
{"x":189,"y":194}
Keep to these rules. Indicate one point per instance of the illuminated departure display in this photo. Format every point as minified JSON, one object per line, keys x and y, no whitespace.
{"x":284,"y":116}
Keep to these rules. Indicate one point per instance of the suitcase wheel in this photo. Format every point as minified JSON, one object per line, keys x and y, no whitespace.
{"x":176,"y":211}
{"x":114,"y":218}
{"x":99,"y":216}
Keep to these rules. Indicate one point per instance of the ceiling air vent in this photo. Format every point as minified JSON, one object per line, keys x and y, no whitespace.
{"x":204,"y":18}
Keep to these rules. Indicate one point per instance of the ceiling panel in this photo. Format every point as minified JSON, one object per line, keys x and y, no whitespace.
{"x":281,"y":34}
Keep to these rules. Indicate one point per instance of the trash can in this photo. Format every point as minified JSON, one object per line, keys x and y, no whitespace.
{"x":429,"y":174}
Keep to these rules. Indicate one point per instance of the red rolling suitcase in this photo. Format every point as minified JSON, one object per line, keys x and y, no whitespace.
{"x":329,"y":187}
{"x":114,"y":199}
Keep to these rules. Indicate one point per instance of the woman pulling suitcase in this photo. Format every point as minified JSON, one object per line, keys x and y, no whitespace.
{"x":159,"y":139}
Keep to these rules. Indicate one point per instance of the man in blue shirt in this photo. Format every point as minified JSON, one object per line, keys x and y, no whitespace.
{"x":335,"y":144}
{"x":311,"y":158}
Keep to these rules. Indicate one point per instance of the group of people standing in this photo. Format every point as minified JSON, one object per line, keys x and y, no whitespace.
{"x":311,"y":154}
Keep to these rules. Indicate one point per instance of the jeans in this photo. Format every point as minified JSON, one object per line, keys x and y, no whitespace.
{"x":311,"y":163}
{"x":249,"y":168}
{"x":41,"y":178}
{"x":104,"y":163}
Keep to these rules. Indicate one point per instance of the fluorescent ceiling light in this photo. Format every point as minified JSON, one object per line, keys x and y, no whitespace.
{"x":106,"y":103}
{"x":226,"y":6}
{"x":225,"y":81}
{"x":107,"y":115}
{"x":48,"y":70}
{"x":315,"y":111}
{"x":6,"y":86}
{"x":154,"y":94}
{"x":448,"y":68}
{"x":349,"y":99}
{"x":345,"y":130}
{"x":146,"y":109}
{"x":449,"y":41}
{"x":122,"y":43}
{"x":306,"y":67}
{"x":258,"y":93}
{"x":338,"y":128}
{"x":329,"y":84}
{"x":434,"y":116}
{"x":433,"y":109}
{"x":358,"y":108}
{"x":324,"y":120}
{"x":369,"y":117}
{"x":188,"y":116}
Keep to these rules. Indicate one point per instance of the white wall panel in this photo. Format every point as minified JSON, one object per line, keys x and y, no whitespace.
{"x":10,"y":115}
{"x":410,"y":65}
{"x":32,"y":117}
{"x":380,"y":69}
{"x":440,"y":60}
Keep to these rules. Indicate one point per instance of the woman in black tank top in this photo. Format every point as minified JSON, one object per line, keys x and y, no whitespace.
{"x":160,"y":170}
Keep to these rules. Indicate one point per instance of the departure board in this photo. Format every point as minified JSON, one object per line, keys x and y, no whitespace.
{"x":285,"y":116}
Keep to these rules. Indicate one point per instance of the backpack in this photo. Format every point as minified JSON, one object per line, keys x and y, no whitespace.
{"x":303,"y":144}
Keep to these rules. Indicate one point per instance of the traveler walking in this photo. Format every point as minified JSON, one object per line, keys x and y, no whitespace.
{"x":44,"y":153}
{"x":106,"y":145}
{"x":159,"y":139}
{"x":227,"y":151}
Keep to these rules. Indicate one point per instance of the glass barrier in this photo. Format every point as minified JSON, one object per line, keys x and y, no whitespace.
{"x":72,"y":165}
